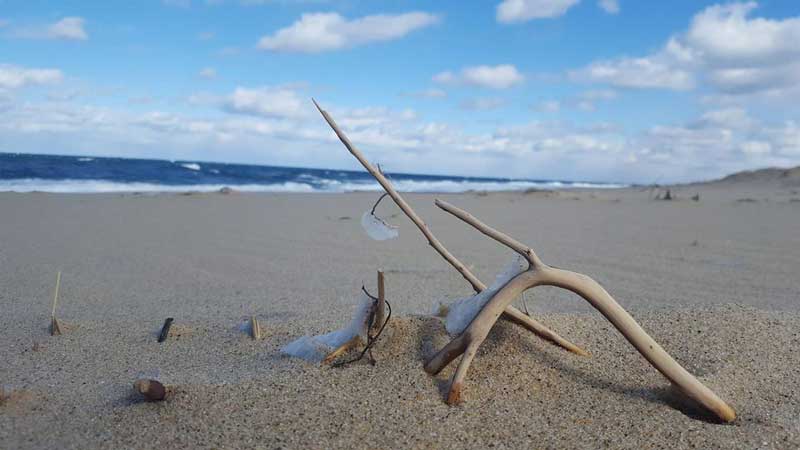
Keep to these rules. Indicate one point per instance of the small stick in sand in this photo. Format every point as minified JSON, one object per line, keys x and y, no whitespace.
{"x":255,"y":328}
{"x":55,"y":329}
{"x":380,"y":308}
{"x":152,"y":390}
{"x":165,"y":330}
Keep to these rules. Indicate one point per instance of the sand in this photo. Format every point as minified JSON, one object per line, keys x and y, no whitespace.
{"x":714,"y":281}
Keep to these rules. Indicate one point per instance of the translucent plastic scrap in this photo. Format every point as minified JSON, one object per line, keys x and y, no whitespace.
{"x":462,"y":311}
{"x":376,"y":228}
{"x":316,"y":348}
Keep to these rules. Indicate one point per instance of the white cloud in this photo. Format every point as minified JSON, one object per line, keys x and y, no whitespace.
{"x":4,"y":23}
{"x":494,"y":77}
{"x":68,"y":28}
{"x":647,"y":72}
{"x":274,"y":102}
{"x":209,"y":73}
{"x":609,"y":6}
{"x":319,"y":32}
{"x":511,"y":11}
{"x":14,"y":77}
{"x":735,"y":54}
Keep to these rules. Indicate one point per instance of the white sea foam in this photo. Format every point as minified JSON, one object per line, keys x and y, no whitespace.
{"x":322,"y":185}
{"x":85,"y":159}
{"x":191,"y":166}
{"x":99,"y":186}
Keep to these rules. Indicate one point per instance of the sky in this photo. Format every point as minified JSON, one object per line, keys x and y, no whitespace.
{"x":608,"y":90}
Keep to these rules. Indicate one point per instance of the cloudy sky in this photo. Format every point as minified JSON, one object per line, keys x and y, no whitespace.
{"x":608,"y":90}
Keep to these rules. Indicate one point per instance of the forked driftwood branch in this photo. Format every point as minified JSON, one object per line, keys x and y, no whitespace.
{"x":540,"y":274}
{"x":510,"y":312}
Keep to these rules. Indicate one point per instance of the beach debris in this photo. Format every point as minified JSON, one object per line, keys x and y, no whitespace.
{"x":696,"y":197}
{"x":227,"y":190}
{"x":151,"y":389}
{"x":668,"y":195}
{"x":5,"y":394}
{"x":511,"y":313}
{"x":320,"y":348}
{"x":55,"y":328}
{"x":255,"y":328}
{"x":540,"y":274}
{"x":162,"y":336}
{"x":537,"y":273}
{"x":377,"y":228}
{"x":461,"y":312}
{"x":367,"y":325}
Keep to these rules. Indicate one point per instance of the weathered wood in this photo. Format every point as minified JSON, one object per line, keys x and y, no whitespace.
{"x":55,"y":328}
{"x":540,"y":274}
{"x":380,"y":308}
{"x":255,"y":328}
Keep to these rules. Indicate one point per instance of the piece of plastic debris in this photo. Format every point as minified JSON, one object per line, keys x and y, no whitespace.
{"x":376,"y":228}
{"x":316,"y":348}
{"x":461,"y":312}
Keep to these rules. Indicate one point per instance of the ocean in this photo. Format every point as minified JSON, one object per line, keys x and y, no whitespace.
{"x":83,"y":174}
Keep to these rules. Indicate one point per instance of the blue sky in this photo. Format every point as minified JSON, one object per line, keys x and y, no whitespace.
{"x":570,"y":89}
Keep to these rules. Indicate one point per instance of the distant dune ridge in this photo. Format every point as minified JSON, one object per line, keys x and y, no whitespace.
{"x":771,"y":175}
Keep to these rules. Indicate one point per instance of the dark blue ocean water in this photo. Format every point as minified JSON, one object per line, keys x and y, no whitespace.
{"x":50,"y":173}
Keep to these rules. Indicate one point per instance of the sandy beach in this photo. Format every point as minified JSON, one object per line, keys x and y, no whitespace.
{"x":715,"y":281}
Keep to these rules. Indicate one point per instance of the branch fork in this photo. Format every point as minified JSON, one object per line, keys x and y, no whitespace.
{"x":540,"y":274}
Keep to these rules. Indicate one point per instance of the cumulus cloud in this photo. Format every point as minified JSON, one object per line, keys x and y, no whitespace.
{"x":514,"y":11}
{"x":609,"y":6}
{"x":502,"y":76}
{"x":68,"y":28}
{"x":319,"y":32}
{"x":274,"y":102}
{"x":647,"y":72}
{"x":725,"y":47}
{"x":14,"y":77}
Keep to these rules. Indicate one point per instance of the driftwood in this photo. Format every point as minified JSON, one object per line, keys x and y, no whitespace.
{"x":511,"y":313}
{"x":255,"y":328}
{"x":55,"y":328}
{"x":538,"y":273}
{"x":164,"y":334}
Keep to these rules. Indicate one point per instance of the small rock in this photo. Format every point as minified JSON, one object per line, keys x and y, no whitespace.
{"x":152,"y":390}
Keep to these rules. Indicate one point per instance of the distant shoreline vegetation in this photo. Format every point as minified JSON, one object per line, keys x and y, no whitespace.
{"x":88,"y":174}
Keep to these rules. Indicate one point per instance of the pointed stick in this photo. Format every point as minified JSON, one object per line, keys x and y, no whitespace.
{"x":255,"y":328}
{"x":511,"y":313}
{"x":55,"y":329}
{"x":381,"y":306}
